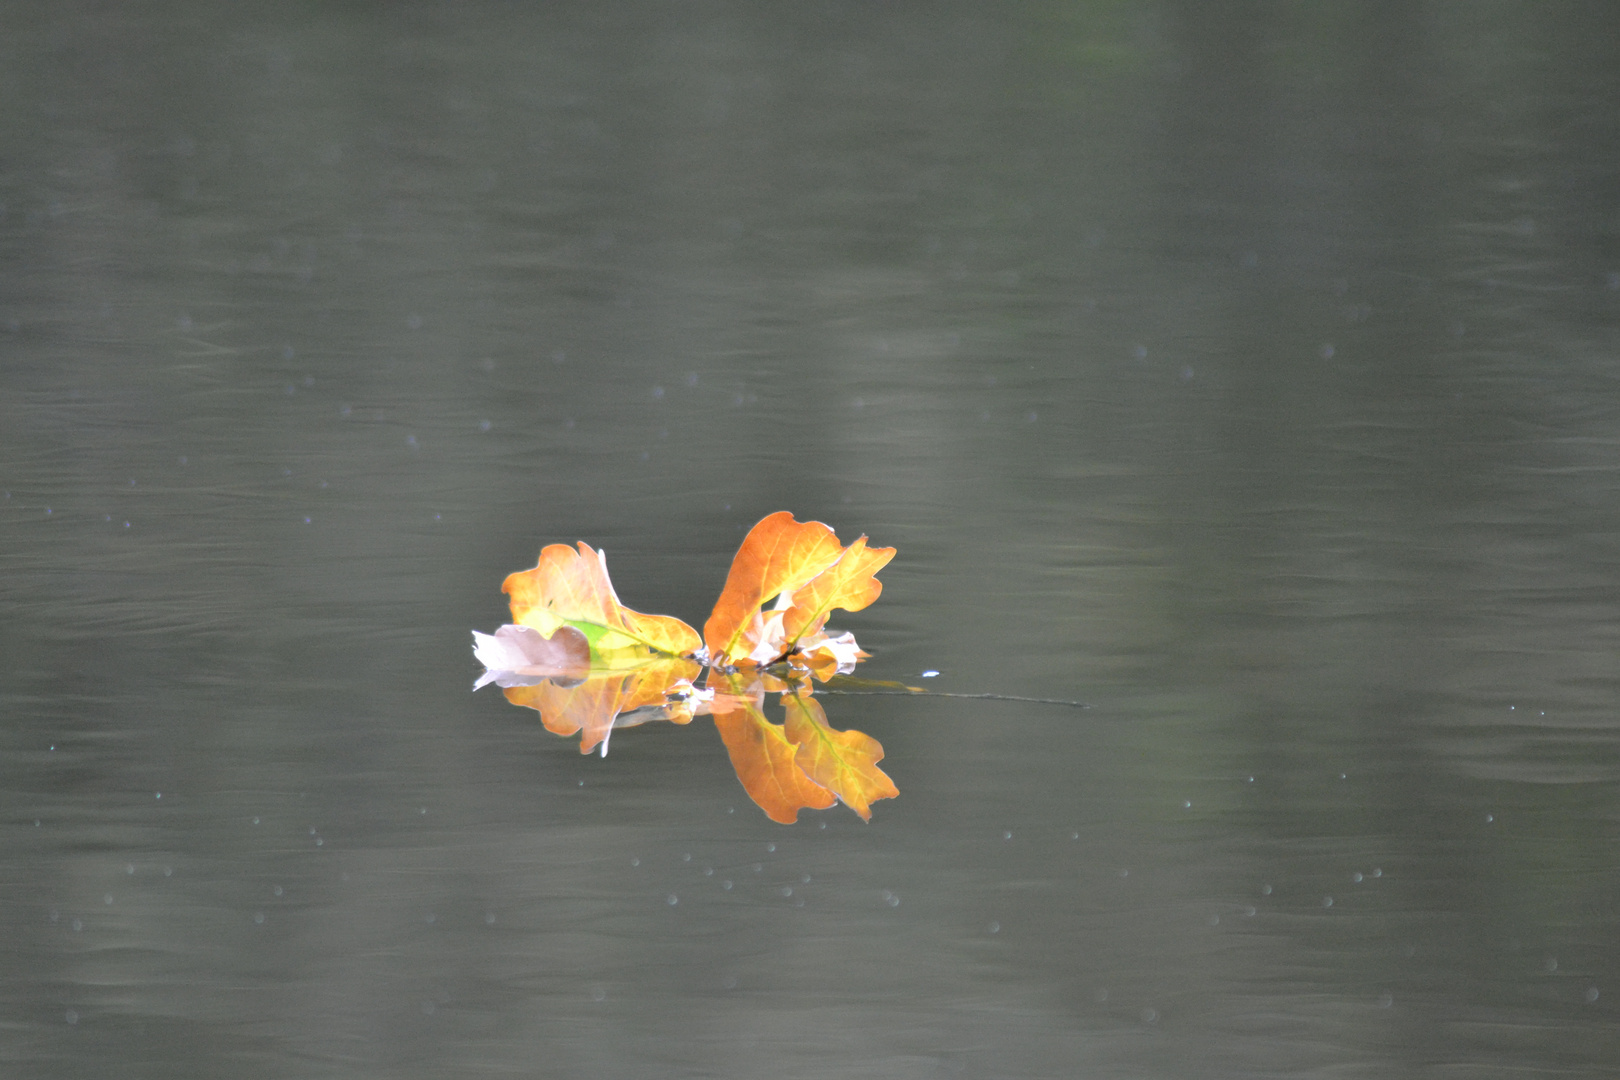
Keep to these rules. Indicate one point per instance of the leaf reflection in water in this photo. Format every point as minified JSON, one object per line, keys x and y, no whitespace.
{"x":803,"y":763}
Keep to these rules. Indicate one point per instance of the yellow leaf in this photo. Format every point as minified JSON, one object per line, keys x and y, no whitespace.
{"x":849,"y":584}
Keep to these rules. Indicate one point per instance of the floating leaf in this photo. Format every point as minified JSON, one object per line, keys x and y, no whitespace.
{"x":844,"y":762}
{"x":592,"y":707}
{"x":778,"y":555}
{"x":571,"y":588}
{"x":849,"y":584}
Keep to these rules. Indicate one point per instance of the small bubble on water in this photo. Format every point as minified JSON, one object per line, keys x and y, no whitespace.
{"x":276,"y":891}
{"x":1074,"y":836}
{"x":1490,"y":818}
{"x":787,"y":890}
{"x":484,"y":425}
{"x":489,"y":918}
{"x":258,"y":917}
{"x":168,"y":871}
{"x":107,"y":899}
{"x":598,"y":994}
{"x":890,"y":898}
{"x":1386,"y":1000}
{"x":320,"y":841}
{"x":1551,"y":964}
{"x":672,"y":900}
{"x":770,"y":847}
{"x":1186,"y":804}
{"x":255,"y":821}
{"x":635,"y":862}
{"x":804,"y":879}
{"x":994,"y":927}
{"x":758,"y":867}
{"x":708,"y":871}
{"x":1248,"y":912}
{"x":1356,"y":877}
{"x":430,"y":918}
{"x":1150,"y":1016}
{"x":726,"y":885}
{"x":78,"y":925}
{"x":1327,"y":901}
{"x":129,"y":868}
{"x":687,"y":857}
{"x":71,"y":1016}
{"x":1007,"y":835}
{"x":1214,"y":920}
{"x":1591,"y":994}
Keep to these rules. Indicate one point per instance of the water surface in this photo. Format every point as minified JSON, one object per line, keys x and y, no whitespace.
{"x":1250,"y":376}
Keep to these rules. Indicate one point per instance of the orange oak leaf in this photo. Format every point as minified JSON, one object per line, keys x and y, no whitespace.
{"x":763,"y":756}
{"x":849,"y":584}
{"x":844,"y":762}
{"x":779,"y":555}
{"x":608,"y":699}
{"x":571,"y":588}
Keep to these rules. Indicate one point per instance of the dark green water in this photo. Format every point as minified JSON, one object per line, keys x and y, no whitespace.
{"x":1250,"y":372}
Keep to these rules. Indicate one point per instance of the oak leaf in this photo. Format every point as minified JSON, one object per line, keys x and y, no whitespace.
{"x":571,"y":588}
{"x":849,"y":584}
{"x":778,"y":556}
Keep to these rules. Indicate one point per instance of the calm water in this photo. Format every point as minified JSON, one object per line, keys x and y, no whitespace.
{"x":1251,"y":376}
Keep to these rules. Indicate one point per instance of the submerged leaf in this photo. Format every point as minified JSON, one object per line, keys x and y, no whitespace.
{"x":779,"y":555}
{"x":571,"y":588}
{"x":844,"y":762}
